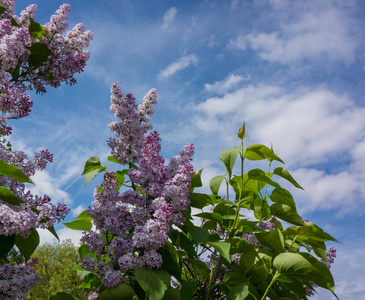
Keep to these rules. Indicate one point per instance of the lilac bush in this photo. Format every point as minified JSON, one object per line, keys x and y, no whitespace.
{"x":144,"y":244}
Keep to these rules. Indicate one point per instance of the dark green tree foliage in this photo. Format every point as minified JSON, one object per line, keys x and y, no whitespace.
{"x":55,"y":268}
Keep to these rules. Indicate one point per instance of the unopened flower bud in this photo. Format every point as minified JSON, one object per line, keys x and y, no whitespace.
{"x":242,"y":131}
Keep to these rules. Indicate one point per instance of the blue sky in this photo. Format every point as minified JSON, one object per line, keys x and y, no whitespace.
{"x":293,"y":70}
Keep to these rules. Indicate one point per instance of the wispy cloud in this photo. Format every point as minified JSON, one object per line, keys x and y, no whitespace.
{"x":239,"y":43}
{"x":221,"y":87}
{"x":180,"y":64}
{"x":168,"y":18}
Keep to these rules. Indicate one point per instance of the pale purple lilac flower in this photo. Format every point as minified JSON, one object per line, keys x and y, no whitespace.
{"x":93,"y":296}
{"x":20,"y":219}
{"x":17,"y":280}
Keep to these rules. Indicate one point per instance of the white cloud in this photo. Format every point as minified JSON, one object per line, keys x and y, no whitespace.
{"x":318,"y":121}
{"x":46,"y":185}
{"x":168,"y":18}
{"x":317,"y":32}
{"x":180,"y":64}
{"x":327,"y":191}
{"x":63,"y":234}
{"x":221,"y":87}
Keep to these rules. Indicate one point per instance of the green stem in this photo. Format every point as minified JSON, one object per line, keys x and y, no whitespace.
{"x":291,"y":245}
{"x":211,"y":275}
{"x":266,"y":183}
{"x":272,"y":281}
{"x":240,"y":194}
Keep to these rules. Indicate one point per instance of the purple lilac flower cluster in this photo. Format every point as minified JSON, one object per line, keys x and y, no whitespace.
{"x":20,"y":219}
{"x":68,"y":58}
{"x":17,"y":280}
{"x":133,"y":125}
{"x":132,"y":225}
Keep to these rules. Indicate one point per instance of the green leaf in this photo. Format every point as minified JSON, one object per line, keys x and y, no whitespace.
{"x":53,"y":231}
{"x":39,"y":53}
{"x":14,"y":23}
{"x":196,"y":179}
{"x":233,"y":278}
{"x":312,"y":231}
{"x":13,"y":172}
{"x":229,"y":157}
{"x":238,"y":292}
{"x":2,"y":9}
{"x":81,"y":274}
{"x":171,"y":260}
{"x":257,"y":263}
{"x":215,"y":183}
{"x":83,"y":250}
{"x":120,"y":292}
{"x":92,"y":174}
{"x":293,"y":285}
{"x":211,"y":216}
{"x":261,"y":176}
{"x":240,"y":245}
{"x":62,"y":296}
{"x":172,"y":294}
{"x":82,"y":224}
{"x":272,"y":239}
{"x":199,"y":200}
{"x":153,"y":282}
{"x":199,"y":267}
{"x":91,"y":164}
{"x":188,"y":288}
{"x":183,"y":242}
{"x":8,"y":196}
{"x":282,"y":196}
{"x":90,"y":281}
{"x":6,"y":244}
{"x":286,"y":213}
{"x":259,"y":152}
{"x":223,"y":249}
{"x":198,"y":234}
{"x":319,"y":248}
{"x":35,"y":29}
{"x":225,"y":209}
{"x":304,"y":266}
{"x":27,"y":246}
{"x":286,"y":175}
{"x":261,"y":209}
{"x":84,"y":216}
{"x":119,"y":176}
{"x":113,"y":159}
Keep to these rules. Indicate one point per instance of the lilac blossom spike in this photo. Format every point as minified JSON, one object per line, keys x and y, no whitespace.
{"x":138,"y":219}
